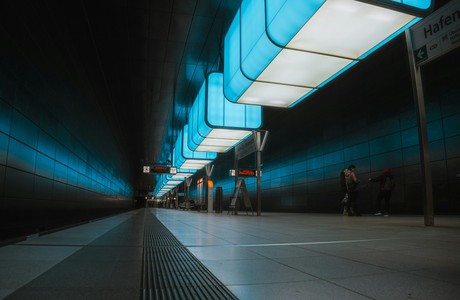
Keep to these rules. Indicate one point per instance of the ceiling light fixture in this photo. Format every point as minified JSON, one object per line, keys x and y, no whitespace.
{"x":216,"y":124}
{"x":277,"y":53}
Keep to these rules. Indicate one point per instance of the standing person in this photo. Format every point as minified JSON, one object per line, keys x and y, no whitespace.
{"x":343,"y":187}
{"x":386,"y":187}
{"x":352,"y":188}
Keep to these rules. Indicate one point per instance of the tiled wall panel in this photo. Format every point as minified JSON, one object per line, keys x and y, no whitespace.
{"x":18,"y":185}
{"x":4,"y":140}
{"x":50,"y":168}
{"x":2,"y":184}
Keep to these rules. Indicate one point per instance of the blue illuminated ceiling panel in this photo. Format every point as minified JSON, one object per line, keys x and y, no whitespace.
{"x":216,"y":124}
{"x":185,"y":158}
{"x":166,"y":183}
{"x":182,"y":174}
{"x":279,"y":52}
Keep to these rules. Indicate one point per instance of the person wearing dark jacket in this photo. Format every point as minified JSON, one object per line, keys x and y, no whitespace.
{"x":386,"y":186}
{"x":352,"y":187}
{"x":343,"y":185}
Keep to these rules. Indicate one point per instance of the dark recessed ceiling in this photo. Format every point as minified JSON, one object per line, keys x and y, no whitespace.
{"x":143,"y":61}
{"x":153,"y":57}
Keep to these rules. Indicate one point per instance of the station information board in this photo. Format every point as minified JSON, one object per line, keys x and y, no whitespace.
{"x":160,"y":169}
{"x":244,"y":173}
{"x":437,"y":34}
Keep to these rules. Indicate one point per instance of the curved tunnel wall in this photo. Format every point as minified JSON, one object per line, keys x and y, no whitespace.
{"x":51,"y":167}
{"x":60,"y":162}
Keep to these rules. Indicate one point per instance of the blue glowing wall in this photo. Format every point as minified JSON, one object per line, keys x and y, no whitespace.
{"x":36,"y":166}
{"x":60,"y":162}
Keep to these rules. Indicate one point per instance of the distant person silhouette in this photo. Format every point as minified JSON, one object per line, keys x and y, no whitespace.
{"x":352,"y":187}
{"x":386,"y":187}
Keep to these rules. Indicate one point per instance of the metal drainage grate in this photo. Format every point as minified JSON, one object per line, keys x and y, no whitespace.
{"x":170,"y":271}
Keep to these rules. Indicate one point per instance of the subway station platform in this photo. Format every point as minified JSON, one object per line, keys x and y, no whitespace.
{"x":168,"y":254}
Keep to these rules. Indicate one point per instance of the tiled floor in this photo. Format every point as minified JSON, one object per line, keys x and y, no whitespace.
{"x":273,"y":256}
{"x":98,"y":260}
{"x":311,"y":256}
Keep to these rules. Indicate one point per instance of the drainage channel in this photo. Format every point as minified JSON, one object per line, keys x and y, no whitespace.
{"x":170,"y":271}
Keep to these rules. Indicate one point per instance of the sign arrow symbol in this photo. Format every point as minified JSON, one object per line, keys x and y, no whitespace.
{"x":420,"y":54}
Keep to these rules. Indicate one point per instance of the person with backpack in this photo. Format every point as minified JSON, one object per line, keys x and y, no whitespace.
{"x":343,"y":187}
{"x":352,"y":183}
{"x":386,"y":187}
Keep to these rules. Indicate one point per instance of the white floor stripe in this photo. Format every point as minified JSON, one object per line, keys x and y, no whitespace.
{"x":290,"y":244}
{"x":310,"y":243}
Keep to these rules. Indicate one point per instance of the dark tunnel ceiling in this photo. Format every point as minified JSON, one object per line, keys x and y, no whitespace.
{"x":153,"y":56}
{"x":144,"y":59}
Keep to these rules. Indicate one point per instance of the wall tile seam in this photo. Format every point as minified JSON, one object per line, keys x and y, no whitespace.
{"x":59,"y":181}
{"x":441,"y":121}
{"x":300,"y":172}
{"x":448,"y":114}
{"x":57,"y":161}
{"x":115,"y":197}
{"x":431,"y":161}
{"x":272,"y":170}
{"x":444,"y":130}
{"x":41,"y":108}
{"x":306,"y":181}
{"x":444,"y":140}
{"x":54,"y":179}
{"x":5,"y":133}
{"x":357,"y":158}
{"x":55,"y":139}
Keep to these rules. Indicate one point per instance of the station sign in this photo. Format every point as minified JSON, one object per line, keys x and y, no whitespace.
{"x":246,"y":147}
{"x":437,"y":34}
{"x":244,"y":173}
{"x":160,"y":169}
{"x":255,"y":142}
